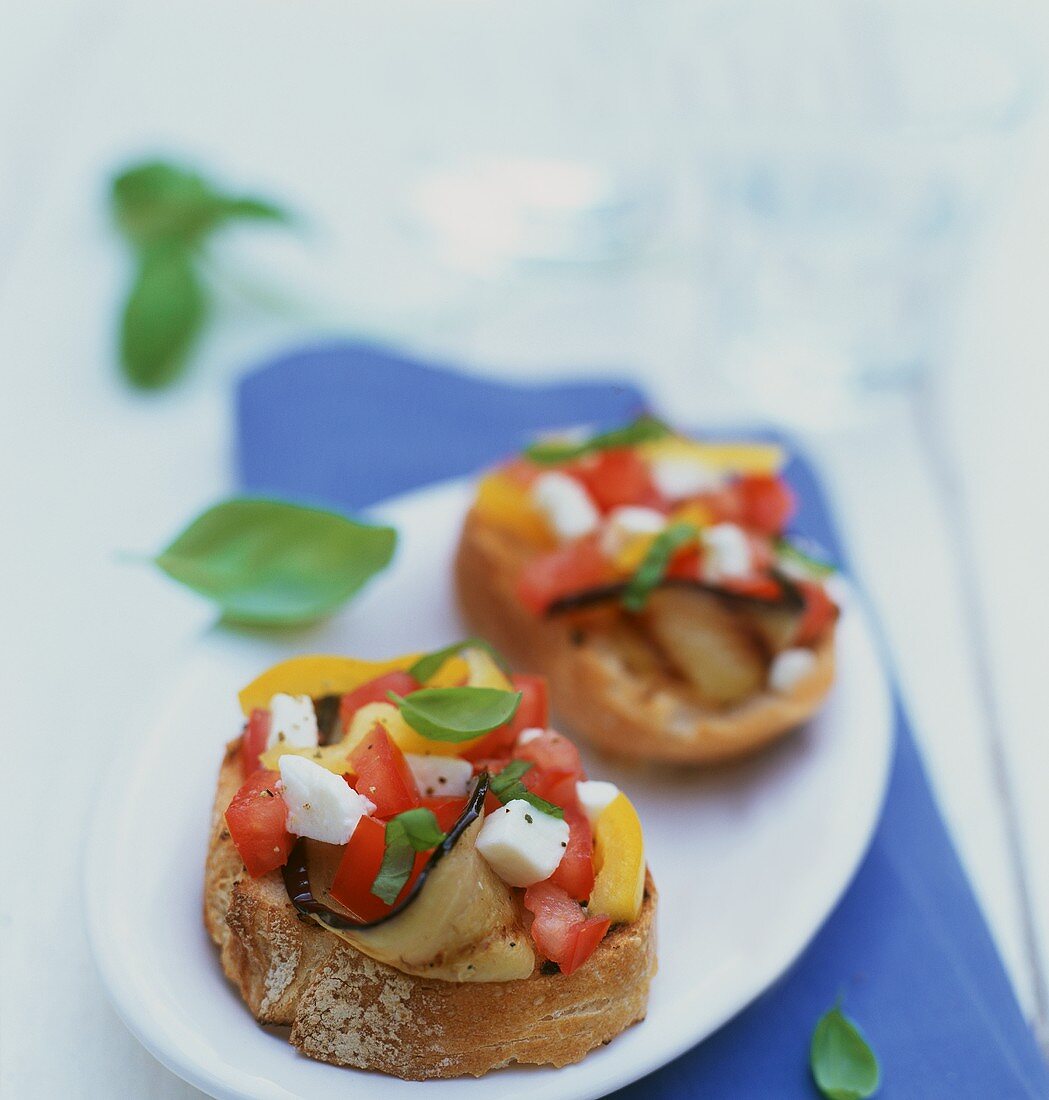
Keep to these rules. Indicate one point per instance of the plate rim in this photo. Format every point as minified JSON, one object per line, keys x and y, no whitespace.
{"x":133,"y":1009}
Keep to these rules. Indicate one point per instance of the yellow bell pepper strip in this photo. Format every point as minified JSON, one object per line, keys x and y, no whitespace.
{"x":333,"y":757}
{"x":732,"y":458}
{"x":619,"y":863}
{"x":483,"y":672}
{"x":316,"y":676}
{"x":506,"y":504}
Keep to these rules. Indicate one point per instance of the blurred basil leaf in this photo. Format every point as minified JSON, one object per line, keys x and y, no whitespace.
{"x":271,"y":563}
{"x":843,"y":1065}
{"x":168,"y":213}
{"x":163,"y":316}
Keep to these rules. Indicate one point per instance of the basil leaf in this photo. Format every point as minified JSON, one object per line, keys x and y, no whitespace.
{"x":552,"y":452}
{"x":430,"y":664}
{"x":843,"y":1065}
{"x":654,"y":565}
{"x":167,"y":214}
{"x":507,"y":785}
{"x":163,"y":316}
{"x":457,"y":713}
{"x":407,"y":833}
{"x":793,"y":553}
{"x":269,"y":562}
{"x":161,"y":202}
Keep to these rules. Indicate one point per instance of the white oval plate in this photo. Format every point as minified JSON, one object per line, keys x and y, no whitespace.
{"x":780,"y":835}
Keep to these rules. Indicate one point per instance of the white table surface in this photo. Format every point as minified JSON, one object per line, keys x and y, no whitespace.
{"x":88,"y":469}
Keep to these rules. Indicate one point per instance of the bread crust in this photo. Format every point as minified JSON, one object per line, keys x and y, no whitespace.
{"x":344,"y":1007}
{"x":620,"y":709}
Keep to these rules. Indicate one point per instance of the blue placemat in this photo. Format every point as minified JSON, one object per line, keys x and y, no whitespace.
{"x":347,"y":425}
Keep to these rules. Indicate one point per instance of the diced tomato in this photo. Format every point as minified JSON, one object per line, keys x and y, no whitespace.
{"x":360,"y":863}
{"x":551,"y":752}
{"x":253,"y":743}
{"x":820,"y":611}
{"x":760,"y":588}
{"x":532,"y":712}
{"x":575,"y":872}
{"x":617,"y":477}
{"x":383,"y":774}
{"x":684,"y":565}
{"x":561,"y":931}
{"x":767,"y":503}
{"x":374,"y":691}
{"x":573,"y":567}
{"x":447,"y":810}
{"x":256,"y":821}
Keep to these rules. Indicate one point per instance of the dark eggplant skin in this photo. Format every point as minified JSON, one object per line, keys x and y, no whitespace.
{"x":592,"y":597}
{"x":327,"y":711}
{"x":296,"y":871}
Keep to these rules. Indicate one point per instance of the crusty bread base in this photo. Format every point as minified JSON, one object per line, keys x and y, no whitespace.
{"x":594,"y":689}
{"x":346,"y":1008}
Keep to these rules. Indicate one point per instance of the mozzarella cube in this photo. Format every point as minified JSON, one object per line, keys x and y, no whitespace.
{"x":790,"y":667}
{"x":321,"y":804}
{"x":293,"y":722}
{"x":441,"y":775}
{"x":530,"y":734}
{"x":677,"y":478}
{"x":628,"y":523}
{"x":566,"y":504}
{"x":521,"y":844}
{"x":594,"y":796}
{"x":727,"y":552}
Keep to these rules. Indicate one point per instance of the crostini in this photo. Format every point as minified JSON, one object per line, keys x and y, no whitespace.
{"x":649,"y":576}
{"x":410,"y":869}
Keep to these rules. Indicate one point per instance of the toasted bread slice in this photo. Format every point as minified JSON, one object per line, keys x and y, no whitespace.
{"x":346,"y":1008}
{"x":607,"y":681}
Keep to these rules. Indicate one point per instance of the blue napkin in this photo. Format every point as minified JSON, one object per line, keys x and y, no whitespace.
{"x":346,"y":425}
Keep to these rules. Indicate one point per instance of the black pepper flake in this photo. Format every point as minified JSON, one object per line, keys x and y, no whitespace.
{"x":528,"y":818}
{"x":564,"y":843}
{"x":550,"y":967}
{"x":441,"y":779}
{"x":512,"y":944}
{"x":224,"y":835}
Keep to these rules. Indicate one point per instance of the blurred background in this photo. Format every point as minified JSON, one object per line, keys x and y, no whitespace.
{"x":832,"y":216}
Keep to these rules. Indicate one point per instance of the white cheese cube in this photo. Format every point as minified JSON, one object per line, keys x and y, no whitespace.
{"x":625,"y":524}
{"x":790,"y":667}
{"x":594,"y":796}
{"x":293,"y":722}
{"x":677,"y":478}
{"x":530,"y":734}
{"x":521,"y":844}
{"x":321,"y":804}
{"x":566,"y":503}
{"x":726,"y":553}
{"x":441,"y":775}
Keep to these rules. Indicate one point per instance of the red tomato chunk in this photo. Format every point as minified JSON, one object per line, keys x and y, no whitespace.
{"x":383,"y":774}
{"x":374,"y":692}
{"x":561,"y":930}
{"x":256,"y":822}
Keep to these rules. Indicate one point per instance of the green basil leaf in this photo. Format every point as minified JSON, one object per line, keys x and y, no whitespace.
{"x":162,"y":202}
{"x":792,"y":552}
{"x":157,"y":201}
{"x":407,"y":833}
{"x":420,"y":828}
{"x":163,"y":316}
{"x":457,"y":713}
{"x":507,"y":785}
{"x":269,"y":562}
{"x":843,"y":1065}
{"x":654,"y":565}
{"x":430,"y":664}
{"x":642,"y":430}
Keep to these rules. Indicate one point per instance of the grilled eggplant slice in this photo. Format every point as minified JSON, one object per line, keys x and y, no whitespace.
{"x":707,"y":643}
